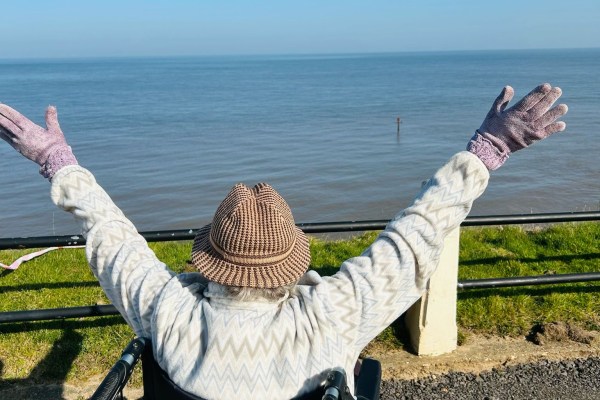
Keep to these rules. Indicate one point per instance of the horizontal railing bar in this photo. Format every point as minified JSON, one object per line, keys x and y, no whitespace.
{"x":314,"y":227}
{"x":545,"y":218}
{"x":103,"y":310}
{"x":528,"y":280}
{"x":57,"y":313}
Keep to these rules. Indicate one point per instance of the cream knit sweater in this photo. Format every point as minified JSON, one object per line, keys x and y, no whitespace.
{"x":217,"y":348}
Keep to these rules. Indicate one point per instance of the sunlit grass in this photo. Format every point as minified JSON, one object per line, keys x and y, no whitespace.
{"x":512,"y":251}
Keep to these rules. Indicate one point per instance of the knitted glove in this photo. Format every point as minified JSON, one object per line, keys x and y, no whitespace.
{"x":506,"y":131}
{"x":46,"y":147}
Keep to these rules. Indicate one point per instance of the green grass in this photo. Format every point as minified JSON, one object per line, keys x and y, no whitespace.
{"x":512,"y":251}
{"x":76,"y":350}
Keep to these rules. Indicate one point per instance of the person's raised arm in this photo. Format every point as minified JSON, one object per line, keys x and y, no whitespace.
{"x":372,"y":290}
{"x":125,"y":266}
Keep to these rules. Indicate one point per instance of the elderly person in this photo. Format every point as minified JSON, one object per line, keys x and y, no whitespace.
{"x":252,"y":323}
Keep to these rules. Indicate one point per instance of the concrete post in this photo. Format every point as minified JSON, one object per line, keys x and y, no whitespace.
{"x":431,"y":321}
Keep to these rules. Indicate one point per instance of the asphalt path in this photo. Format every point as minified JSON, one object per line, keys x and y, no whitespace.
{"x":549,"y":380}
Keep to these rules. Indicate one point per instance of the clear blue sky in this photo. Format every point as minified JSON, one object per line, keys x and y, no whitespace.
{"x":62,"y":28}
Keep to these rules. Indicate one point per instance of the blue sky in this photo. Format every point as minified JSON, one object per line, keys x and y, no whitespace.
{"x":62,"y":28}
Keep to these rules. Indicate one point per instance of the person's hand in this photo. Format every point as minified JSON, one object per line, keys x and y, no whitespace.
{"x":46,"y":147}
{"x":505,"y":131}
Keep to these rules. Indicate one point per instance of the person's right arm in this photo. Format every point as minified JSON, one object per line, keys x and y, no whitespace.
{"x":127,"y":269}
{"x":119,"y":257}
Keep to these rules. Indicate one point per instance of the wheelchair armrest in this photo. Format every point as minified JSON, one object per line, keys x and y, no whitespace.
{"x":368,"y":382}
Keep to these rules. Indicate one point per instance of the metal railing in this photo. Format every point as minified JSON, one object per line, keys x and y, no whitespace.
{"x":311,"y":227}
{"x":318,"y":227}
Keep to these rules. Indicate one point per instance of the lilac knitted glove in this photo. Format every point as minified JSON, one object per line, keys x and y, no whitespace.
{"x":46,"y":147}
{"x":506,"y":131}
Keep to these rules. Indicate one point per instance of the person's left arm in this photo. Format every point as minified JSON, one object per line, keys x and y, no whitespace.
{"x":372,"y":290}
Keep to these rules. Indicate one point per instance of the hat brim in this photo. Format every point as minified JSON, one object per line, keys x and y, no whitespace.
{"x":215,"y":268}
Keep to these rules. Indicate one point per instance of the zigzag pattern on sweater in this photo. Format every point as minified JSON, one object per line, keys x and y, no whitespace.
{"x":280,"y":355}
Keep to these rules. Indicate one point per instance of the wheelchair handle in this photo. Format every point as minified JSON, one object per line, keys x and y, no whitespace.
{"x":119,"y":374}
{"x":335,"y":386}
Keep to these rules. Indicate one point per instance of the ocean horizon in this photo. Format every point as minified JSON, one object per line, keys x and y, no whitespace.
{"x":292,"y":54}
{"x":167,"y":137}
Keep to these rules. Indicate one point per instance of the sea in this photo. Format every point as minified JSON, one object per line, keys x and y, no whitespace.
{"x":342,"y":137}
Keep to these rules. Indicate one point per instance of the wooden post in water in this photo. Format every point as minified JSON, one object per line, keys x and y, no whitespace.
{"x":398,"y":122}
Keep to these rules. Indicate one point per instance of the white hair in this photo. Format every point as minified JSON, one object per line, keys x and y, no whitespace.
{"x":274,"y":295}
{"x":242,"y":293}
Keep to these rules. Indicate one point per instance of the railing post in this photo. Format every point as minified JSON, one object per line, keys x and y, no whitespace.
{"x":431,"y":321}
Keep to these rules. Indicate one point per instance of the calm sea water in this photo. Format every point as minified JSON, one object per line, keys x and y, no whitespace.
{"x":168,"y":137}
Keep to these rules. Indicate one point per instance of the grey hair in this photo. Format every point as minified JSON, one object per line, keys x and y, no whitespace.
{"x":241,"y":293}
{"x":274,"y":295}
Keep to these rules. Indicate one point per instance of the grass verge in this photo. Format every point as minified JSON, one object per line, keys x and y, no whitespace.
{"x":78,"y":350}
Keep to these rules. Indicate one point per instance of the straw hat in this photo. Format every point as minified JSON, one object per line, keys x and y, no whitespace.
{"x":252,"y":241}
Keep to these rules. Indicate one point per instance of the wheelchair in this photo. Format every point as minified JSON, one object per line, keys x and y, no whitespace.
{"x":158,"y":386}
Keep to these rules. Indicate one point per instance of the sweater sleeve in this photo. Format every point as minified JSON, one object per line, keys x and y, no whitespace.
{"x":127,"y":269}
{"x":370,"y":291}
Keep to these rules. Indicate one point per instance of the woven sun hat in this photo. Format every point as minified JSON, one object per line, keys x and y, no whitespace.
{"x":252,"y":241}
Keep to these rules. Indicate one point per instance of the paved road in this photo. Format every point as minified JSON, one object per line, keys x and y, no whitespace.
{"x":547,"y":380}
